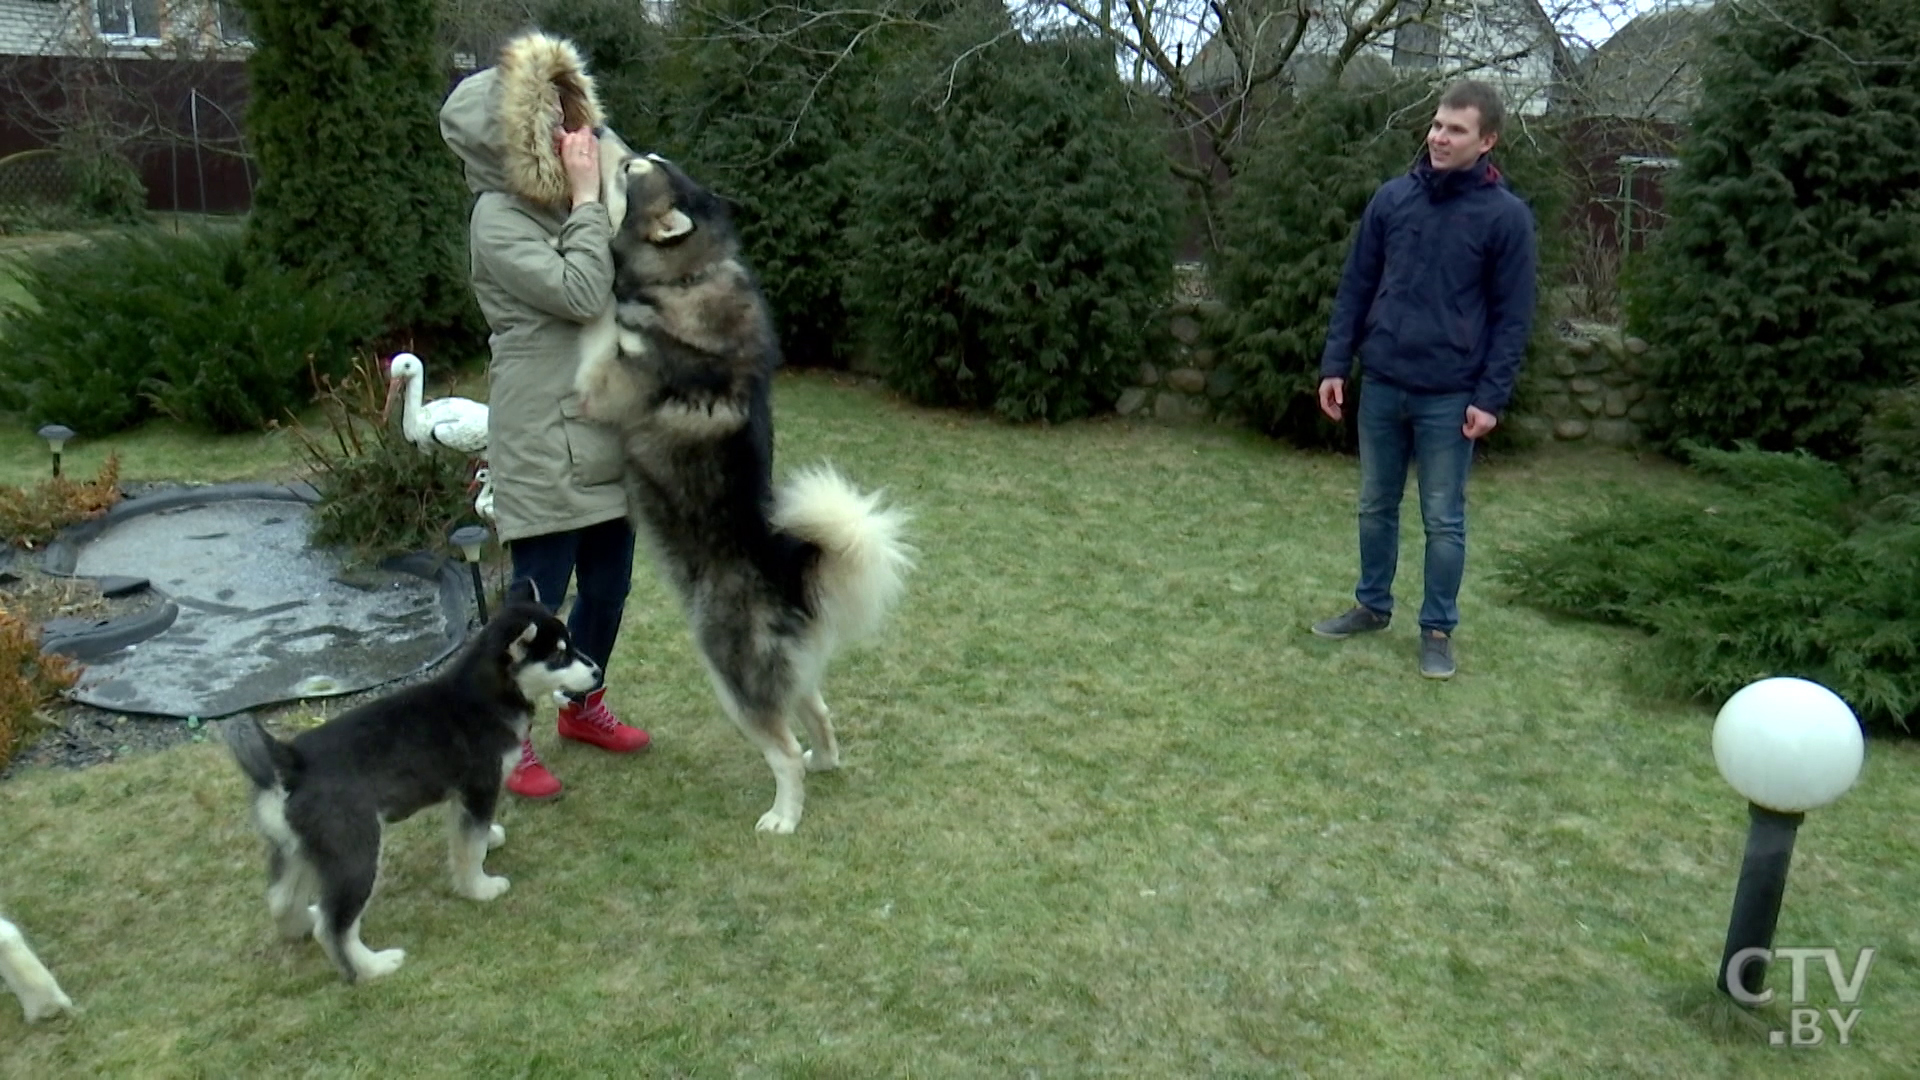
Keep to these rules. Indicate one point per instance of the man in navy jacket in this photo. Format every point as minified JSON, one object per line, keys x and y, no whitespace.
{"x":1436,"y":303}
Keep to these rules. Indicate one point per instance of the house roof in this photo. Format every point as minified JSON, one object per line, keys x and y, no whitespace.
{"x":1647,"y":69}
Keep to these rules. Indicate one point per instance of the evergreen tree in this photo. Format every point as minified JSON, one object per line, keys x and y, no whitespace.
{"x":1015,"y":233}
{"x":1780,"y":297}
{"x":1296,"y":206}
{"x":626,"y":51}
{"x":771,"y":102}
{"x":356,"y":187}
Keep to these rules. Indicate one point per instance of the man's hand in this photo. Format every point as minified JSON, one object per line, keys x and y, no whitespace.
{"x":1479,"y":422}
{"x":1333,"y":394}
{"x":580,"y":156}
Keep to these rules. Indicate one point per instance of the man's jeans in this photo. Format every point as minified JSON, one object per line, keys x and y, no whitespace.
{"x":1397,"y":428}
{"x":600,"y":558}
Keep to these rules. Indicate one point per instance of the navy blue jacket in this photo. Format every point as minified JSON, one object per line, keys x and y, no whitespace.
{"x":1438,"y":292}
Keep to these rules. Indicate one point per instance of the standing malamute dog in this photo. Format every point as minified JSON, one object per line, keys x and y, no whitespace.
{"x":773,"y":580}
{"x":322,"y":799}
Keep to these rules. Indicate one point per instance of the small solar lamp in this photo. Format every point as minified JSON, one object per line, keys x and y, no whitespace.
{"x":56,"y":436}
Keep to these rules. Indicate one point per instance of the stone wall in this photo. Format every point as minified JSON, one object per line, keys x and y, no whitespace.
{"x":1588,"y":387}
{"x":1188,"y":386}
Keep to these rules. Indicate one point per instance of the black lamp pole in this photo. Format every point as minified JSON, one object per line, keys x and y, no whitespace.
{"x":469,"y":538}
{"x":1756,"y":900}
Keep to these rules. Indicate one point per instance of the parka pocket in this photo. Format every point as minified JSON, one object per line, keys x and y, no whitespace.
{"x":593,"y":450}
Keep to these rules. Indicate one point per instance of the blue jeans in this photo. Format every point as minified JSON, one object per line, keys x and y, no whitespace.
{"x":1397,"y":428}
{"x":601,"y":558}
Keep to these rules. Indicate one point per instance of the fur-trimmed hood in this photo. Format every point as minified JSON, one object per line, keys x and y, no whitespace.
{"x":500,"y":121}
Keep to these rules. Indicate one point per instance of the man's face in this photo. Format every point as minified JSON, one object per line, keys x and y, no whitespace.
{"x":1454,"y":141}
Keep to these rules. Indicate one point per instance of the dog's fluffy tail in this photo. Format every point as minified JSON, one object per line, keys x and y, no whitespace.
{"x":267,"y":761}
{"x":864,"y":557}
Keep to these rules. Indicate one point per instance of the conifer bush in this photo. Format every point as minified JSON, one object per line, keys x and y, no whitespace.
{"x":1296,"y":205}
{"x":1015,"y":231}
{"x":1779,"y":298}
{"x":148,"y":323}
{"x":1888,"y":471}
{"x":771,"y":103}
{"x":626,"y":52}
{"x":1771,"y":567}
{"x":356,"y":185}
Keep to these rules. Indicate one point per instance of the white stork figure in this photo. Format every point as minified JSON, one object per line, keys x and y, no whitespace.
{"x":483,"y":502}
{"x":453,"y":423}
{"x":457,"y":424}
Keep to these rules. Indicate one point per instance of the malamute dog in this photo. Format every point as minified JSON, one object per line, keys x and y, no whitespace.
{"x":321,"y":800}
{"x":773,"y":580}
{"x":40,"y":996}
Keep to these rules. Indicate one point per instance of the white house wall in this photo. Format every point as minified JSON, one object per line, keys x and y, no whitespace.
{"x":26,"y":26}
{"x":67,"y":28}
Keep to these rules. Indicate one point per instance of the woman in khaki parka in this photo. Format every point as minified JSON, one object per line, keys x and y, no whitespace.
{"x":528,"y":131}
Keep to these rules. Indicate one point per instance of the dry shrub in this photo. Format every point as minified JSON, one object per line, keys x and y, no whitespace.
{"x":379,"y":494}
{"x":31,"y":516}
{"x":28,"y":680}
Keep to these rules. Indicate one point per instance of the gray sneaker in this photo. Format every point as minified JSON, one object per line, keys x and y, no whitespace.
{"x":1436,"y":655}
{"x":1361,"y":620}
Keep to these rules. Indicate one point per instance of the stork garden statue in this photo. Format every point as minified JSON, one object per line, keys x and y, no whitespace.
{"x":452,"y":423}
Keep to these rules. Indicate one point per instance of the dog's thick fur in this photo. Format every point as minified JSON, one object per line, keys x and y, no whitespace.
{"x":40,"y":996}
{"x":774,"y":581}
{"x":321,"y":801}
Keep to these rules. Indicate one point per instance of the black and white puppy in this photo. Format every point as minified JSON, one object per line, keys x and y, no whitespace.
{"x":321,"y":800}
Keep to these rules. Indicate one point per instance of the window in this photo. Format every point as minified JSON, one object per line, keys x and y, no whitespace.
{"x":136,"y":19}
{"x":233,"y":21}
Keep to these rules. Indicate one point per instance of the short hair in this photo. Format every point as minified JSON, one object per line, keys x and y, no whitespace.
{"x":1473,"y":94}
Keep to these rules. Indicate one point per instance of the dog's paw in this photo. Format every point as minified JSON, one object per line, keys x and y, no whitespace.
{"x":296,"y":924}
{"x":381,"y":964}
{"x":495,"y":837}
{"x":775,"y":822}
{"x":818,"y":762}
{"x":484,"y":887}
{"x":44,"y":1003}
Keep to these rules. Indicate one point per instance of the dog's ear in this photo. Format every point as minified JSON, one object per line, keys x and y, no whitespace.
{"x":671,"y":225}
{"x":523,"y":591}
{"x":517,"y":648}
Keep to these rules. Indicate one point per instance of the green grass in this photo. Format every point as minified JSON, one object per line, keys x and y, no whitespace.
{"x":1108,"y":810}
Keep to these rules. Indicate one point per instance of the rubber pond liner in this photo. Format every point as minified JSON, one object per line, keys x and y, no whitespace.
{"x":246,"y":613}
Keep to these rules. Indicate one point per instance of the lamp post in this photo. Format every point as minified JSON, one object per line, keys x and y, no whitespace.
{"x":469,"y":538}
{"x":1788,"y":746}
{"x":56,"y":436}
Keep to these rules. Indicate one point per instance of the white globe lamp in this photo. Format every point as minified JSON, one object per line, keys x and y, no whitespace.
{"x":1789,"y":746}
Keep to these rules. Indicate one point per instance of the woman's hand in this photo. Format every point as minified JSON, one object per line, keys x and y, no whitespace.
{"x":580,"y":157}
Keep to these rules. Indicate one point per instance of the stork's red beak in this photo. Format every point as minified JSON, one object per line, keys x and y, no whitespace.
{"x":393,"y":389}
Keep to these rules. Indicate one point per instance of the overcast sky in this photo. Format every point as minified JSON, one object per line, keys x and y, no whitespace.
{"x":1594,"y":21}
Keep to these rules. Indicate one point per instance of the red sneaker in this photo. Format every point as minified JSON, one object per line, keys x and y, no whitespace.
{"x":591,"y":722}
{"x":530,"y":779}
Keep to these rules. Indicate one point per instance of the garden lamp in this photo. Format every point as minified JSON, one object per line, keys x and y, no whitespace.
{"x":56,"y":436}
{"x":469,"y":538}
{"x":1789,"y":746}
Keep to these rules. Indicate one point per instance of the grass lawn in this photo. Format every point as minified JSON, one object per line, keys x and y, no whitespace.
{"x":1108,"y":810}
